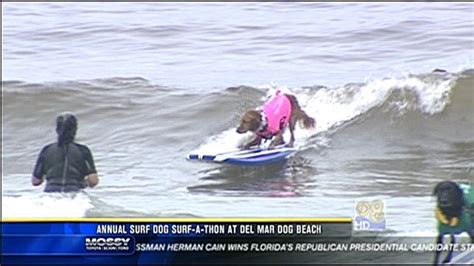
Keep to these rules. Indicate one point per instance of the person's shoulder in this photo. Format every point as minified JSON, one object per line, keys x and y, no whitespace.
{"x":47,"y":149}
{"x":82,"y":147}
{"x":48,"y":146}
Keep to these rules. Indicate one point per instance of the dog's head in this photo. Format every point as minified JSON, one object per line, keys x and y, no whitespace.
{"x":250,"y":122}
{"x":449,"y":198}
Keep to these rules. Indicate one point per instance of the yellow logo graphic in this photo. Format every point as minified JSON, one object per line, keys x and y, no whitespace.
{"x":373,"y":210}
{"x":370,"y":215}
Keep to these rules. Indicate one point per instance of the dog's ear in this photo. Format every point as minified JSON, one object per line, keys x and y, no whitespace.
{"x":256,"y":124}
{"x":460,"y":196}
{"x":436,"y":189}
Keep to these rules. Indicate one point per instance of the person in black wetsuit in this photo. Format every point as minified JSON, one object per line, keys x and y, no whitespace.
{"x":67,"y":166}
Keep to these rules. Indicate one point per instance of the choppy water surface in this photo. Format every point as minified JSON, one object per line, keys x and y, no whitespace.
{"x":151,"y":82}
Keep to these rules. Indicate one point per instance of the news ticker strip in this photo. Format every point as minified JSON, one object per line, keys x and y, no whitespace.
{"x":129,"y":245}
{"x":112,"y":236}
{"x":292,"y":240}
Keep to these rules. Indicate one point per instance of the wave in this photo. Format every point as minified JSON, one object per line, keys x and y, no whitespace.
{"x":397,"y":98}
{"x":142,"y":107}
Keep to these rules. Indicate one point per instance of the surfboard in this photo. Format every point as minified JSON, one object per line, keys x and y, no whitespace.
{"x":466,"y":257}
{"x":250,"y":157}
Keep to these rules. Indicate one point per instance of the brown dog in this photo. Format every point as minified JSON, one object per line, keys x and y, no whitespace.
{"x":279,"y":112}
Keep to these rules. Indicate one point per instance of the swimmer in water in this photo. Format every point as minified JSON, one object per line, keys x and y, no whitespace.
{"x":67,"y":166}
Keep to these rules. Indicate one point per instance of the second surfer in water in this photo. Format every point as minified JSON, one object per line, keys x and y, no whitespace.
{"x":67,"y":166}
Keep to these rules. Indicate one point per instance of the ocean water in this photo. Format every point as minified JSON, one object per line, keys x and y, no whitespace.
{"x":151,"y":82}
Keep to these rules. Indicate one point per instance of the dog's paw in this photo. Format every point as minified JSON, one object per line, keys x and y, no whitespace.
{"x":447,"y":260}
{"x":244,"y":147}
{"x":289,"y":145}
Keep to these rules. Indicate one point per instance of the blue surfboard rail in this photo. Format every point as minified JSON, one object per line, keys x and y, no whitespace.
{"x":251,"y":157}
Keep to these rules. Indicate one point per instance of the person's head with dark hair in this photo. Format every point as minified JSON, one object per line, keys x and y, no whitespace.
{"x":66,"y":127}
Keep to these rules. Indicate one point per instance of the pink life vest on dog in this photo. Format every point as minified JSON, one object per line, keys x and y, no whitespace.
{"x":278,"y":113}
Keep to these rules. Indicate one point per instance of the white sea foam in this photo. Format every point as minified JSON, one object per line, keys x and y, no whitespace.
{"x":46,"y":205}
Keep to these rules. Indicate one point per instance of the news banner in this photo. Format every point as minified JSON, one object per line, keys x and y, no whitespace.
{"x":197,"y":240}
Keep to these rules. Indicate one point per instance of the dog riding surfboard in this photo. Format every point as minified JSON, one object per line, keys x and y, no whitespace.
{"x":269,"y":123}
